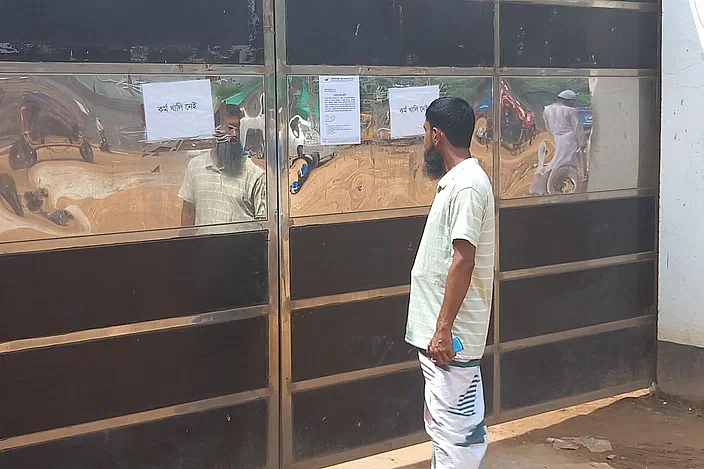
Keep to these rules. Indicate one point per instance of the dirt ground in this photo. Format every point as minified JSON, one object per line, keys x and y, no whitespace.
{"x":644,"y":431}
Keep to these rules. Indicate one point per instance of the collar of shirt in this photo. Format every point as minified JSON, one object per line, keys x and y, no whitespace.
{"x":211,"y":166}
{"x":452,"y":174}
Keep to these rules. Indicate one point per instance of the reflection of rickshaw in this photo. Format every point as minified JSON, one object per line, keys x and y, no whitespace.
{"x":43,"y":121}
{"x":516,"y":133}
{"x":518,"y":127}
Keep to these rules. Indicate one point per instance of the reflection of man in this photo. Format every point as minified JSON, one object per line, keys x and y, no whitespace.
{"x":563,"y":123}
{"x":451,"y":288}
{"x":223,"y":185}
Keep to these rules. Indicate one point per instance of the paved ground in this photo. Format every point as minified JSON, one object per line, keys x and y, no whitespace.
{"x":645,"y":433}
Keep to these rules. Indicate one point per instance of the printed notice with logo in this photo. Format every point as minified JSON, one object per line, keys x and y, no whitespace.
{"x":178,"y":110}
{"x":340,"y":110}
{"x":408,"y":106}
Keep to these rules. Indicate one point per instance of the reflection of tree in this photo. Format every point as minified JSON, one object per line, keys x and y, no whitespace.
{"x":225,"y":89}
{"x":471,"y":89}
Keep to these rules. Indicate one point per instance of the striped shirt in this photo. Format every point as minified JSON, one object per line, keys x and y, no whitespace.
{"x":463,"y":209}
{"x":219,"y":197}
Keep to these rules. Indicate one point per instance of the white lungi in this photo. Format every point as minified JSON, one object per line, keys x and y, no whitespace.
{"x":454,"y":415}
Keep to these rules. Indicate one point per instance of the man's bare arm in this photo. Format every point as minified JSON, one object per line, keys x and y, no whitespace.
{"x":188,"y":214}
{"x":459,"y":278}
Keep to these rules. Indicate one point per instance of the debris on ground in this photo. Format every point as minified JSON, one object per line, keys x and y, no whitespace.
{"x":594,"y":445}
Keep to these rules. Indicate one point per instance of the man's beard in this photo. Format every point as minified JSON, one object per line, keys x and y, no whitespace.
{"x":434,"y":167}
{"x":231,"y":156}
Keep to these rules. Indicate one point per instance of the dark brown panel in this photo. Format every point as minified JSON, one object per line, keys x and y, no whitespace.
{"x":578,"y":366}
{"x":390,"y":32}
{"x":349,"y":257}
{"x":351,"y":415}
{"x":229,"y":437}
{"x":55,"y":292}
{"x":71,"y":384}
{"x":572,"y":37}
{"x":555,"y":234}
{"x":132,"y":31}
{"x":553,"y":303}
{"x":350,"y":336}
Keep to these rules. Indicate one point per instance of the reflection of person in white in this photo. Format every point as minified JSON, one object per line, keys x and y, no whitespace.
{"x":562,"y":121}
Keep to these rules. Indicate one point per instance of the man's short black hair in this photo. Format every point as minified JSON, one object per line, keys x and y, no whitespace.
{"x":231,"y":110}
{"x":455,"y":117}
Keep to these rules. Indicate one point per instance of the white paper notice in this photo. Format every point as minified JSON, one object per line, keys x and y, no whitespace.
{"x":177,"y":110}
{"x":408,"y":106}
{"x":340,"y":121}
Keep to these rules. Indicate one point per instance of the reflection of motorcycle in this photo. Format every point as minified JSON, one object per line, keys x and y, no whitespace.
{"x":42,"y":121}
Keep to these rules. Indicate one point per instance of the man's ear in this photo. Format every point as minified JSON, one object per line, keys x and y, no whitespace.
{"x":435,"y":134}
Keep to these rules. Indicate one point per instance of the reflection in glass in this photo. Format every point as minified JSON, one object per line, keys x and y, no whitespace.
{"x":223,"y":185}
{"x":381,"y":173}
{"x":74,"y":161}
{"x":572,"y":135}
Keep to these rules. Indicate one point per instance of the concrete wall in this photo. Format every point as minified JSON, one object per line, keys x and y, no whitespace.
{"x":681,"y":276}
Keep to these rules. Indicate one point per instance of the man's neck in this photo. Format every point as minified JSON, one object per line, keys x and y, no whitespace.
{"x":216,"y":160}
{"x":455,"y":156}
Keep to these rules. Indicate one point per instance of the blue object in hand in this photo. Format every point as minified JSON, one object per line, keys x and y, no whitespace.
{"x":457,"y":346}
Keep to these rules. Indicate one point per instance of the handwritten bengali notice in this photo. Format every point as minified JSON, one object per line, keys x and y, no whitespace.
{"x":408,"y":106}
{"x":178,"y":110}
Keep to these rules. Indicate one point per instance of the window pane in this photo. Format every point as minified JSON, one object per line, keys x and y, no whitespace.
{"x":383,"y":172}
{"x":390,"y":32}
{"x":606,"y":139}
{"x":155,"y":31}
{"x":74,"y":161}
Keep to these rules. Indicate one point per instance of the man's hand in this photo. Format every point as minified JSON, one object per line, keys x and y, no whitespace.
{"x":188,"y":214}
{"x":440,"y":348}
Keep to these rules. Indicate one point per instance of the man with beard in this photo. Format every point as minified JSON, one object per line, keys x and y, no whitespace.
{"x":451,"y":289}
{"x":223,"y":185}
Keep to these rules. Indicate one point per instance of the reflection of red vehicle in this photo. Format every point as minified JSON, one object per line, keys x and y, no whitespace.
{"x":518,"y":127}
{"x":43,"y":120}
{"x":530,"y":127}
